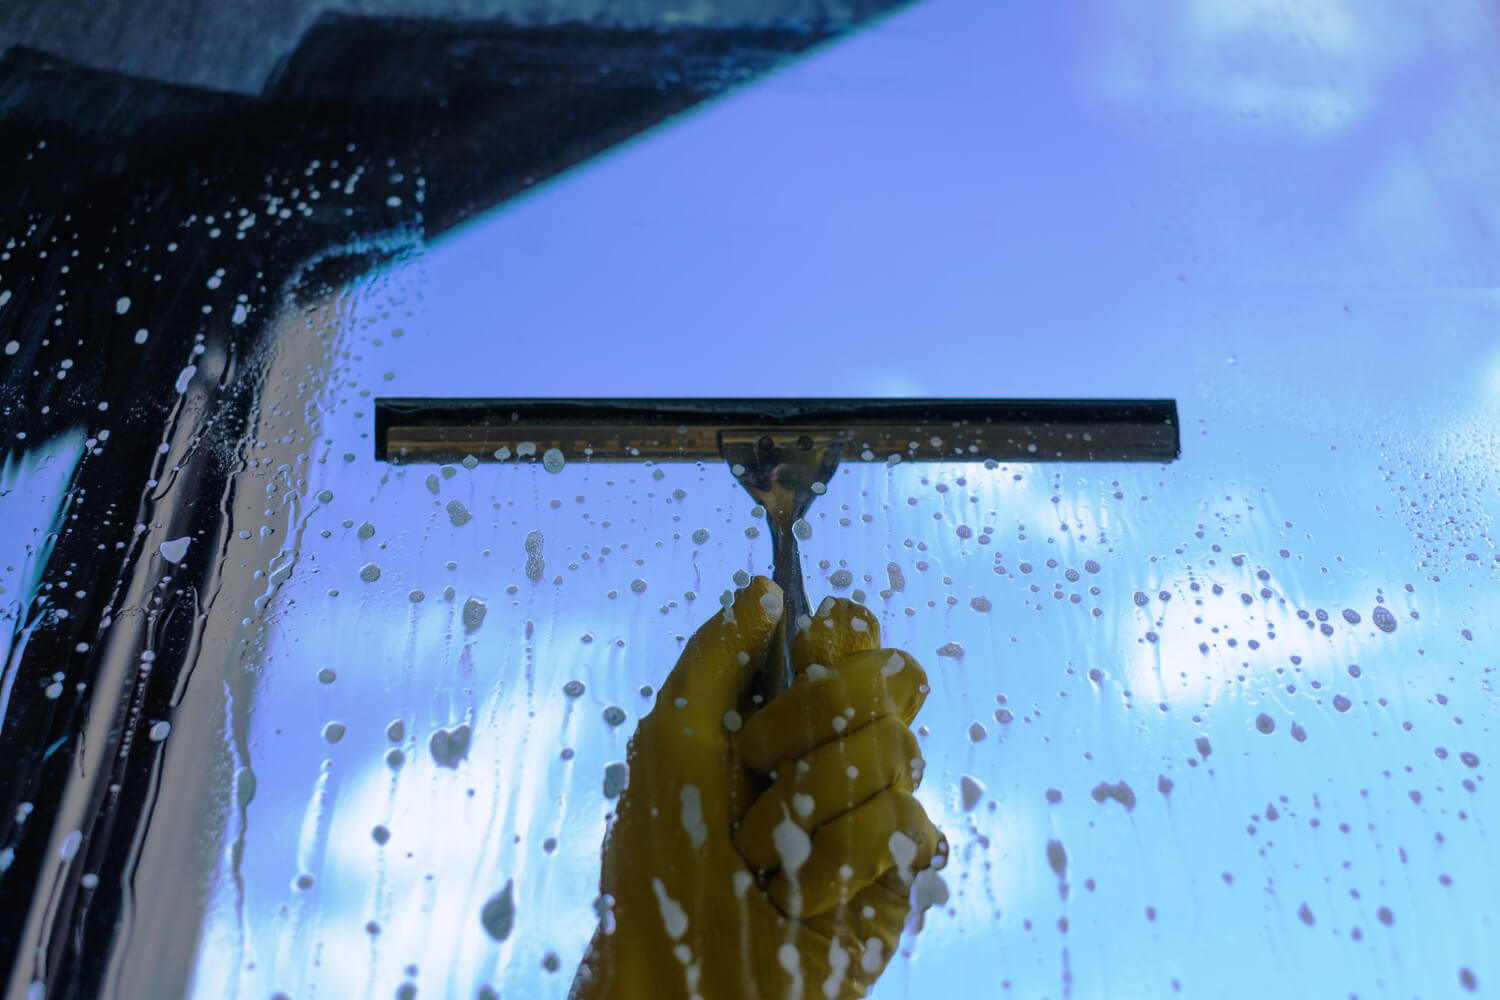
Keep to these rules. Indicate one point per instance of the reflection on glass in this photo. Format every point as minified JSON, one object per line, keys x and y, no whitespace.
{"x":33,"y":494}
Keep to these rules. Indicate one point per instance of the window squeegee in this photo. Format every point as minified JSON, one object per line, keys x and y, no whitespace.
{"x":782,"y":451}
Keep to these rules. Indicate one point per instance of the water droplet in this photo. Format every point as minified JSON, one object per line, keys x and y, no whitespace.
{"x":553,"y":460}
{"x":616,"y":780}
{"x":369,"y":573}
{"x":535,"y":563}
{"x":173,"y":551}
{"x":450,"y":746}
{"x":244,"y":786}
{"x":1057,"y":858}
{"x":473,"y":614}
{"x":1384,"y":620}
{"x":499,"y":913}
{"x":1120,"y":792}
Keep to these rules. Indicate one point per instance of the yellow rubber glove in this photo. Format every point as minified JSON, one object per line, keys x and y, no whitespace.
{"x":766,"y":852}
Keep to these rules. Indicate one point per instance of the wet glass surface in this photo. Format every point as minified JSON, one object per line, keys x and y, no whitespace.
{"x":1219,"y":727}
{"x":1236,"y":740}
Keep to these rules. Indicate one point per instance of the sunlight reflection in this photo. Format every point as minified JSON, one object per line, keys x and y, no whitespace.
{"x":33,"y":484}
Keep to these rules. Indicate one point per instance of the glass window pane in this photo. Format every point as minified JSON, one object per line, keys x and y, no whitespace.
{"x":1214,"y":727}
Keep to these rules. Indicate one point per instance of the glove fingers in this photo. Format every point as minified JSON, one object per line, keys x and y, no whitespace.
{"x":722,"y":657}
{"x":838,"y":629}
{"x":828,"y":782}
{"x":837,"y":968}
{"x":828,"y":968}
{"x":848,"y":854}
{"x":823,"y":705}
{"x":872,"y":923}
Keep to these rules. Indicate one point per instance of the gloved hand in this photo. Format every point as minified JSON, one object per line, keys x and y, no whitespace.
{"x":766,"y":852}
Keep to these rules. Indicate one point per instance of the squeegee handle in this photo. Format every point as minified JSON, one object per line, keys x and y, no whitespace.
{"x":786,"y":570}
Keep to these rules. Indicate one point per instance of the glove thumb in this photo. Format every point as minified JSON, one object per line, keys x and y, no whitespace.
{"x":722,"y":658}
